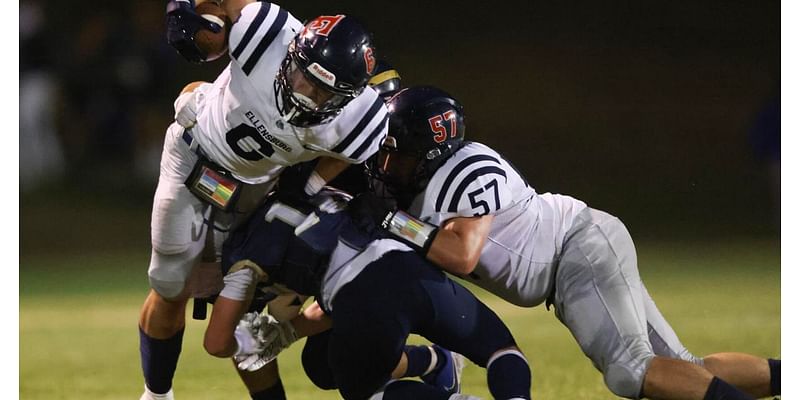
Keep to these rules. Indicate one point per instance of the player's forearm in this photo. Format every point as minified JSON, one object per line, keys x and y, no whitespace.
{"x":459,"y":243}
{"x":219,"y":340}
{"x":452,"y":253}
{"x":230,"y":306}
{"x":328,"y":168}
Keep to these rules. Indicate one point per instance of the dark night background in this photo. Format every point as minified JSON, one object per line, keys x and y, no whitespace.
{"x":665,"y":114}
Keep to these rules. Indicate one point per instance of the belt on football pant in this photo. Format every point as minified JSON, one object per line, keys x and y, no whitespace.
{"x":194,"y":146}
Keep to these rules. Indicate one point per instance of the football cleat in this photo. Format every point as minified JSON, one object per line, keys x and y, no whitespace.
{"x":448,"y":377}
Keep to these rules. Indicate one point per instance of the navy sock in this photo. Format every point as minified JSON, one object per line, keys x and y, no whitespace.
{"x":721,"y":390}
{"x":419,"y":359}
{"x":509,"y":376}
{"x":159,"y":360}
{"x":401,"y":390}
{"x":774,"y":377}
{"x":274,"y":392}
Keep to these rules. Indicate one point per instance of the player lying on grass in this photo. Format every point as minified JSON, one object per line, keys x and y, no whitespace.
{"x":376,"y":293}
{"x":469,"y":211}
{"x":290,"y":94}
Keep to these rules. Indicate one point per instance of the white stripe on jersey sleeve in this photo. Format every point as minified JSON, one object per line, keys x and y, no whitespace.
{"x":361,"y":127}
{"x":253,"y":25}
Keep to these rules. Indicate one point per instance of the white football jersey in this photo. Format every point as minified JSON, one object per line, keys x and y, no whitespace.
{"x":238,"y":123}
{"x":527,"y":233}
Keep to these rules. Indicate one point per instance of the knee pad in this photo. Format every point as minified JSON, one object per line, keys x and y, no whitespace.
{"x":626,"y":380}
{"x":168,"y":272}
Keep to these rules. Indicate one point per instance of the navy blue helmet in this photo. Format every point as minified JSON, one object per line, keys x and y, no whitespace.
{"x":335,"y":52}
{"x":426,"y":126}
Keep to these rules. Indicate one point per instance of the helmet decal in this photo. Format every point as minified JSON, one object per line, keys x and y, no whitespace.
{"x":323,"y":24}
{"x":439,"y":129}
{"x":369,"y":60}
{"x":322,"y":74}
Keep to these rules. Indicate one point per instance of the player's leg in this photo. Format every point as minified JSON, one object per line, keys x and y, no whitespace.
{"x":434,"y":364}
{"x":162,"y":317}
{"x":599,"y":297}
{"x":264,"y":383}
{"x":364,"y":350}
{"x":177,"y":233}
{"x":368,"y":338}
{"x":661,"y":335}
{"x":462,"y":323}
{"x":755,"y":375}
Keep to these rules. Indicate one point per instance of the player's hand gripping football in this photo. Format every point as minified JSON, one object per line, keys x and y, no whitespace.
{"x":271,"y":335}
{"x":182,"y":25}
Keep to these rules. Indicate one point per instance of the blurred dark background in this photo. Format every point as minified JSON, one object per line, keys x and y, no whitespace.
{"x":666,"y":114}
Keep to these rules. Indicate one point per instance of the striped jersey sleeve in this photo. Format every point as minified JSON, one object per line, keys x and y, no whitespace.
{"x":476,"y":181}
{"x":259,"y":24}
{"x":361,"y":127}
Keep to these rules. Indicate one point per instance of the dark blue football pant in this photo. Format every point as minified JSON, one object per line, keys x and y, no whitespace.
{"x":373,"y":315}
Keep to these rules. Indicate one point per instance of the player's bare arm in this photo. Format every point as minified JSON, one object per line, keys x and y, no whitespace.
{"x":219,"y":340}
{"x":328,"y":168}
{"x":459,"y":242}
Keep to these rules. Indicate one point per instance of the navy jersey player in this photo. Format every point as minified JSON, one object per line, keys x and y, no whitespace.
{"x":376,"y":290}
{"x":291,"y":93}
{"x":469,"y":211}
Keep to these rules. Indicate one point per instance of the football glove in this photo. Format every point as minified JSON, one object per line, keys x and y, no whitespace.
{"x":247,"y":335}
{"x":292,"y":187}
{"x":182,"y":24}
{"x":186,"y":108}
{"x":369,"y":212}
{"x":272,"y":337}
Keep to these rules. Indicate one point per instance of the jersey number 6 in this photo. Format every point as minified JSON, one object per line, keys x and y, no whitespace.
{"x":247,"y":143}
{"x":439,"y":129}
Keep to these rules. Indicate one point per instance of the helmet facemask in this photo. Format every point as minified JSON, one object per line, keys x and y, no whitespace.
{"x":397,"y":175}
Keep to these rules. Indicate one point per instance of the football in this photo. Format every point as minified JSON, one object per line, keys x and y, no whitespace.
{"x":213,"y":44}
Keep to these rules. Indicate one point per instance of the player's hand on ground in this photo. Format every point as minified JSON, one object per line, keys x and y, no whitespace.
{"x":186,"y":108}
{"x":182,"y":25}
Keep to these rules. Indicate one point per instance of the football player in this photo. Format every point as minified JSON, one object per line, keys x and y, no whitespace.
{"x":376,"y":291}
{"x":468,"y":210}
{"x":291,"y":93}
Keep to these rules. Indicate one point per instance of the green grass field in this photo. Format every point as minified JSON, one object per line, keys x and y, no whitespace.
{"x":79,"y":340}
